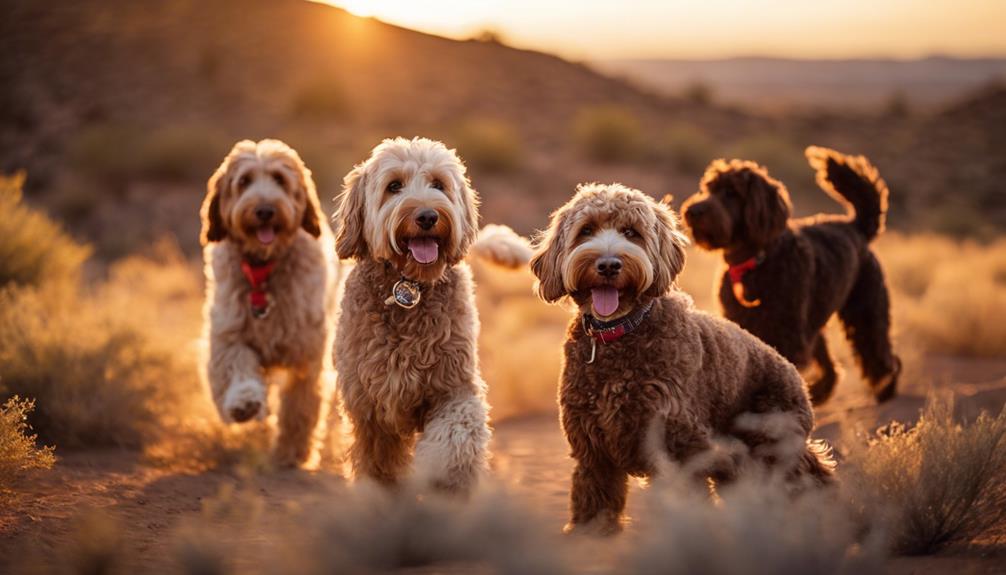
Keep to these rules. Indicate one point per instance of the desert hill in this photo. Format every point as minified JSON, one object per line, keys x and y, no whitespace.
{"x":119,"y":111}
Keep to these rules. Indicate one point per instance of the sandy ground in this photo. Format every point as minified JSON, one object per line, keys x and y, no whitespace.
{"x":151,"y":504}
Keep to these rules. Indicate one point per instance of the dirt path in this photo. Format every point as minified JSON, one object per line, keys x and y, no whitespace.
{"x":150,"y":505}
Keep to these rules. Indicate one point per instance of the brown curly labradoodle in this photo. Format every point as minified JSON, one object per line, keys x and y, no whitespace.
{"x":785,"y":278}
{"x":646,"y":376}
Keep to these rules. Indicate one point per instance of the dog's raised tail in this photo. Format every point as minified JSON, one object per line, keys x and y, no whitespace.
{"x":502,"y":246}
{"x":852,"y":180}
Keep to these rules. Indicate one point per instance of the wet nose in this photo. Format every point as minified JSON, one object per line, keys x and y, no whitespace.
{"x":265,"y":213}
{"x":696,"y":210}
{"x":608,"y":266}
{"x":426,"y":219}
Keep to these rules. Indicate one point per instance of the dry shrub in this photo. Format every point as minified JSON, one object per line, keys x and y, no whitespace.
{"x":949,"y":295}
{"x":687,"y":148}
{"x":324,"y":99}
{"x":18,"y":451}
{"x":934,"y":484}
{"x":33,"y":249}
{"x":756,"y":527}
{"x":96,"y":382}
{"x":489,"y":145}
{"x":608,"y":134}
{"x":112,"y":155}
{"x":368,"y":530}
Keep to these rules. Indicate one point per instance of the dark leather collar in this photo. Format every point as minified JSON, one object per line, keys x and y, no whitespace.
{"x":609,"y":331}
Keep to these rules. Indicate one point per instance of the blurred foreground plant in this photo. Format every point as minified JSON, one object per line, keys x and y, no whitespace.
{"x":936,"y":483}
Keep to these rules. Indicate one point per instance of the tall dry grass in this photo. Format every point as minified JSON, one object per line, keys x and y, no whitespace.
{"x":19,"y":452}
{"x":949,"y":295}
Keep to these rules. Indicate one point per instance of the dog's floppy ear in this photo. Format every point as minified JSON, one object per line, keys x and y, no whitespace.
{"x":470,"y":217}
{"x":349,"y":241}
{"x":766,"y":207}
{"x":311,"y":222}
{"x":213,"y":228}
{"x":669,"y":249}
{"x":546,"y":262}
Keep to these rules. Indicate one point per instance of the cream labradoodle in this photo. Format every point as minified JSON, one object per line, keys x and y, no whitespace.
{"x":405,"y":349}
{"x":271,"y":282}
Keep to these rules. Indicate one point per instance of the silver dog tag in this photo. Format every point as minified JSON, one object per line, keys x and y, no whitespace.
{"x":405,"y":294}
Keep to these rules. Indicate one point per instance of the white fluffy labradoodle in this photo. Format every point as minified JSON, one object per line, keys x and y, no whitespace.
{"x":271,"y":280}
{"x":405,"y":347}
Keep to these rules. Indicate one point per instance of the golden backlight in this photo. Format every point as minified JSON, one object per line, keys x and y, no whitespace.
{"x":712,"y":28}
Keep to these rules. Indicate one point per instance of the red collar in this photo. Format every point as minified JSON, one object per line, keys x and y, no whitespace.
{"x":737,"y":271}
{"x":258,"y":276}
{"x":609,"y":331}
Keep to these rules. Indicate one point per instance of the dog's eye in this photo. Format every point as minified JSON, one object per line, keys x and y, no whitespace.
{"x":437,"y":185}
{"x":278,"y":178}
{"x":629,"y":233}
{"x":243,"y":181}
{"x":394,"y":187}
{"x":586,"y":231}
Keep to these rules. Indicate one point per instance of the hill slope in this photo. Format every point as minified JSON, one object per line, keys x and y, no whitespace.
{"x":120,"y":110}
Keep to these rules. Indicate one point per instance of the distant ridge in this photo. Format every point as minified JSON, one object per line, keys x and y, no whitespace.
{"x":775,"y":83}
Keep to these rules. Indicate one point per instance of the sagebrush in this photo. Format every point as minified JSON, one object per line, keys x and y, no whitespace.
{"x":19,"y":452}
{"x":936,"y":483}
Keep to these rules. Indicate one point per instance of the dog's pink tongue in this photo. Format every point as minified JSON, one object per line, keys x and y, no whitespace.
{"x":266,"y":235}
{"x":604,"y":300}
{"x":424,"y":250}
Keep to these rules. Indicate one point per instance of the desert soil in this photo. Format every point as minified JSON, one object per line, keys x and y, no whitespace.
{"x":151,"y":504}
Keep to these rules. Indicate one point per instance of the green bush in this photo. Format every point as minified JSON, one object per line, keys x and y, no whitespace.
{"x":608,"y":134}
{"x":33,"y":249}
{"x":18,"y":452}
{"x":489,"y":145}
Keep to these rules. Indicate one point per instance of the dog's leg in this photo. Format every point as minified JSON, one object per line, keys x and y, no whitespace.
{"x":867,"y":319}
{"x":378,"y":453}
{"x":821,"y":390}
{"x":597,"y":499}
{"x":451,"y":454}
{"x":236,"y":381}
{"x":298,"y":416}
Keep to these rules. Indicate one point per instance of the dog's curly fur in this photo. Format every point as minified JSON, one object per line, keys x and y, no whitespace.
{"x":697,"y":378}
{"x":808,"y":269}
{"x":244,"y":352}
{"x":408,"y":371}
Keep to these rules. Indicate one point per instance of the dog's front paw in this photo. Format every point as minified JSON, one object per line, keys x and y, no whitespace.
{"x":604,"y":525}
{"x":245,"y":400}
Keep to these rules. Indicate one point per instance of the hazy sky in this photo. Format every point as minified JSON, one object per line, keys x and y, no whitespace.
{"x":592,"y":29}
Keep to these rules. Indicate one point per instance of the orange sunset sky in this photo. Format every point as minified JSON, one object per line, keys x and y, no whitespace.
{"x":591,"y":29}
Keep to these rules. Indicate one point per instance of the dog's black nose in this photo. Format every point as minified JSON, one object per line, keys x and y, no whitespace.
{"x":265,"y":213}
{"x":696,"y":210}
{"x":608,"y":266}
{"x":427,"y":219}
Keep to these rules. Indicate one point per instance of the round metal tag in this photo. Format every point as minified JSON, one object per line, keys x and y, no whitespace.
{"x":406,"y":294}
